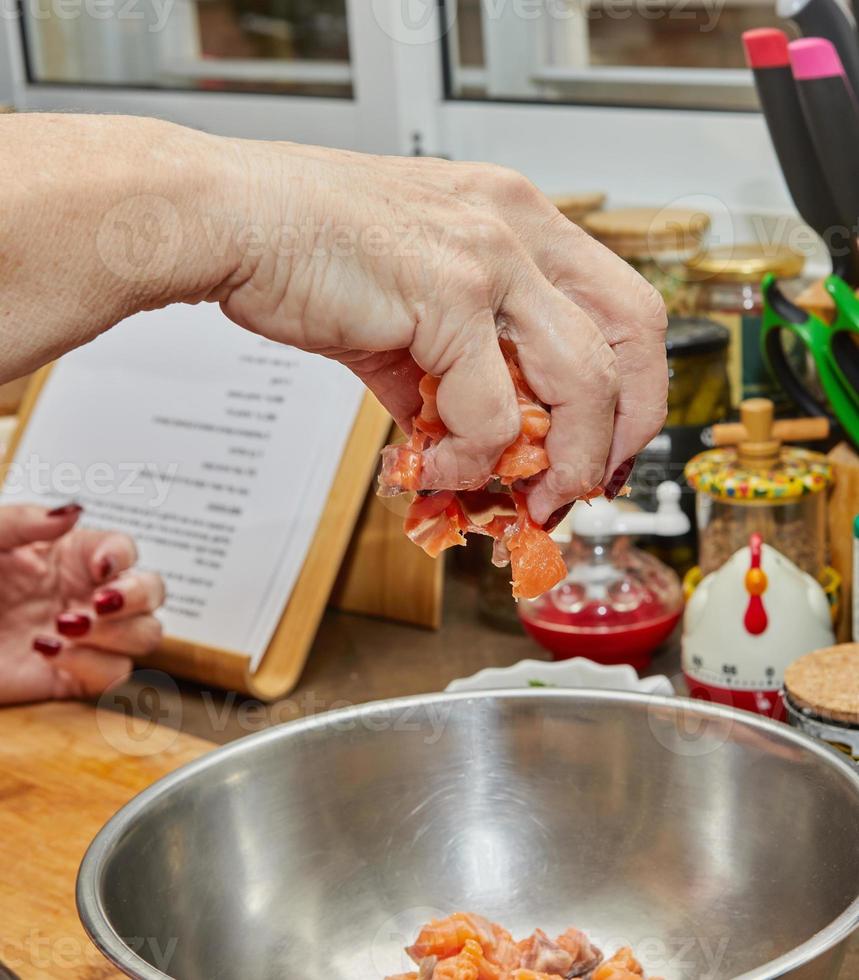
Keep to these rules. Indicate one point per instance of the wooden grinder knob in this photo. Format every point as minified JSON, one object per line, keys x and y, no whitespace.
{"x":758,"y":438}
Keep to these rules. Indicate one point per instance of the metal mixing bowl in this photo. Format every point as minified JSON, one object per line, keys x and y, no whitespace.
{"x":716,"y":843}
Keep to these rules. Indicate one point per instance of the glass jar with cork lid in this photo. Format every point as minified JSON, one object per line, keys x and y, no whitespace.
{"x":821,"y":696}
{"x":658,"y":242}
{"x":726,"y":284}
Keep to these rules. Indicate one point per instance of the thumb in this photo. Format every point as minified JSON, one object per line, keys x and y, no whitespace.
{"x":22,"y":524}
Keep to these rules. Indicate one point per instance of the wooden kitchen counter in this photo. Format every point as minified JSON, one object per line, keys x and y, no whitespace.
{"x":64,"y":770}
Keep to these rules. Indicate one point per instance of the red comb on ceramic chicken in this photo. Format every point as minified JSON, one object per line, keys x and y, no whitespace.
{"x":441,"y":519}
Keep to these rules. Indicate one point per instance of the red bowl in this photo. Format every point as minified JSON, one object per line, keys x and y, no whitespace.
{"x":631,"y":644}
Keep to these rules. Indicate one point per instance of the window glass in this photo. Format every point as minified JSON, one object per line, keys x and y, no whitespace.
{"x":288,"y":46}
{"x":629,"y":52}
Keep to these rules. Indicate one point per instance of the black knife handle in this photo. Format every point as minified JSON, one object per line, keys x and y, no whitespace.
{"x":803,"y":170}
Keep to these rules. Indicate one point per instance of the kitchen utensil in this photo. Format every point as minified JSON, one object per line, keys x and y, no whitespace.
{"x":617,"y":603}
{"x":807,"y":167}
{"x":720,"y":844}
{"x":577,"y":672}
{"x":831,"y":115}
{"x":760,"y":597}
{"x":768,"y":56}
{"x":826,"y":19}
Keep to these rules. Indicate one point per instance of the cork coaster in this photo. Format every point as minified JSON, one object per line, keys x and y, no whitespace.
{"x":826,"y":682}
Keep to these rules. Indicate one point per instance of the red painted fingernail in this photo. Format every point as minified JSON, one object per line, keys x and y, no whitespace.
{"x":48,"y":646}
{"x":108,"y":601}
{"x":556,"y":517}
{"x":67,"y":510}
{"x":107,"y":567}
{"x":618,"y":481}
{"x":73,"y":624}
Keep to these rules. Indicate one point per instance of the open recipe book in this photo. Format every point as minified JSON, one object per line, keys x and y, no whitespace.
{"x":218,"y":451}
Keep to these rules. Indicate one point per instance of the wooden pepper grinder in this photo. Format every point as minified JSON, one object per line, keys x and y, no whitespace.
{"x":759,"y":438}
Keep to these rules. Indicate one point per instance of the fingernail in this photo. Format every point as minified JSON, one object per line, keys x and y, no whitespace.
{"x":556,"y":517}
{"x":73,"y":624}
{"x":67,"y":510}
{"x":618,"y":481}
{"x":108,"y":601}
{"x":107,"y":567}
{"x":48,"y":646}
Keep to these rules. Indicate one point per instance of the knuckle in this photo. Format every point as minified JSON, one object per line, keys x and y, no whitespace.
{"x":468,"y":282}
{"x":515,"y":188}
{"x":569,"y":482}
{"x":494,"y":236}
{"x":130,"y":546}
{"x":604,"y":371}
{"x":508,"y":427}
{"x":650,"y":307}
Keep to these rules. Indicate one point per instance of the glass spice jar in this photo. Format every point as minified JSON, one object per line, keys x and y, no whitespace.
{"x":658,"y":242}
{"x":765,"y":487}
{"x":726,"y":284}
{"x":698,"y":396}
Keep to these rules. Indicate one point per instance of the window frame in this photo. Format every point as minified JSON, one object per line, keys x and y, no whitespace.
{"x":707,"y":89}
{"x":400,"y":105}
{"x":371,"y":120}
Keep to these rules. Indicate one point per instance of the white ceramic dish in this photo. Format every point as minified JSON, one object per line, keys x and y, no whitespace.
{"x":577,"y":672}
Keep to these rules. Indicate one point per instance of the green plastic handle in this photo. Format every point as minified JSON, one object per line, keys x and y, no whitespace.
{"x":817,"y":336}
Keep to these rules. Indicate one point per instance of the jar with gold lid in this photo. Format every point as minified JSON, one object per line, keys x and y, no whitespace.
{"x":658,"y":242}
{"x":726,"y":283}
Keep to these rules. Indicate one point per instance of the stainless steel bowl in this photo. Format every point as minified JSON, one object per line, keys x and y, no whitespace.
{"x":716,"y":843}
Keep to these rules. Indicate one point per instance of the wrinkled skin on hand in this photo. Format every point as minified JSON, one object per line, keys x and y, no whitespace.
{"x":405,"y":267}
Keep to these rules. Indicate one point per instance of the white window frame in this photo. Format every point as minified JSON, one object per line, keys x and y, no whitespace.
{"x":373,"y":120}
{"x":722,"y":160}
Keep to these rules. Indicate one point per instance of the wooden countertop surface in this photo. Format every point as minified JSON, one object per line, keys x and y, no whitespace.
{"x":64,"y":770}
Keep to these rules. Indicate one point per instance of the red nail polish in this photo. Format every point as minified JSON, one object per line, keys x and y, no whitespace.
{"x":618,"y":481}
{"x":67,"y":510}
{"x":48,"y":646}
{"x":108,"y":601}
{"x":107,"y":567}
{"x":73,"y":624}
{"x":556,"y":517}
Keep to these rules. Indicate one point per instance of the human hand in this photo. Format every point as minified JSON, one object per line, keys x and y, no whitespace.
{"x":72,"y":609}
{"x":400,"y":267}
